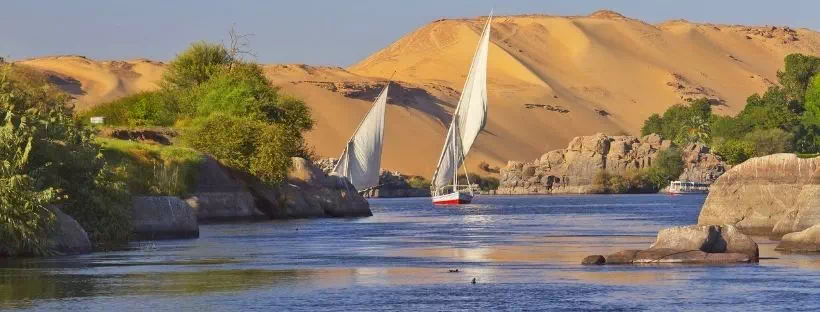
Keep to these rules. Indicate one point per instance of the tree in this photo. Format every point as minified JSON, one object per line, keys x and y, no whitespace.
{"x":799,"y":69}
{"x":653,"y":124}
{"x":196,"y":65}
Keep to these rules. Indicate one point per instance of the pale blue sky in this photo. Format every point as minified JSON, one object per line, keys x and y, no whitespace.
{"x":313,"y":31}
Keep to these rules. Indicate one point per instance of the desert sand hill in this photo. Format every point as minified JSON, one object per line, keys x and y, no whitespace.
{"x":550,"y":79}
{"x":93,"y":82}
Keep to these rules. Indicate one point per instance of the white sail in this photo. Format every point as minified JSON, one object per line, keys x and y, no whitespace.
{"x":469,"y":117}
{"x":361,"y":160}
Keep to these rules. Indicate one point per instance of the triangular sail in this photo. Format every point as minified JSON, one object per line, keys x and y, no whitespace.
{"x":469,"y":117}
{"x":361,"y":160}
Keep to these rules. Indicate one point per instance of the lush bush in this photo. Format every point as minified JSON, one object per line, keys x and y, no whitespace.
{"x":632,"y":181}
{"x":799,"y":69}
{"x":60,"y":157}
{"x":196,"y":65}
{"x":151,"y":108}
{"x":418,"y":182}
{"x":245,"y":144}
{"x":683,"y":124}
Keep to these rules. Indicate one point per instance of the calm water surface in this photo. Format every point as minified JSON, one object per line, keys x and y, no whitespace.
{"x":524,"y":253}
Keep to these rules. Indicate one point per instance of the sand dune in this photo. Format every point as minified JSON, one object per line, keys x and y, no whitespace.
{"x":93,"y":82}
{"x":550,"y":78}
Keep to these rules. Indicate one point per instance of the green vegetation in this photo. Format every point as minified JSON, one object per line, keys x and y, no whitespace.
{"x":224,"y":107}
{"x":49,"y":159}
{"x":484,"y":183}
{"x":151,"y":169}
{"x":668,"y":166}
{"x":418,"y":182}
{"x":783,"y":119}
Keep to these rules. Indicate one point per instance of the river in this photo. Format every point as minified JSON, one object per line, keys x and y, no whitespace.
{"x":524,"y":253}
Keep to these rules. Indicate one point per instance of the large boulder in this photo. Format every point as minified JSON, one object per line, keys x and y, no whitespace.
{"x":689,"y":245}
{"x":807,"y":240}
{"x":163,"y":217}
{"x":309,"y":192}
{"x":221,"y":194}
{"x":572,"y":170}
{"x":766,"y":193}
{"x":68,"y":237}
{"x":709,"y":239}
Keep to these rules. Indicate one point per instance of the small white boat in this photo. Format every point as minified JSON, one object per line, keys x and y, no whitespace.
{"x":469,"y":119}
{"x":686,"y":187}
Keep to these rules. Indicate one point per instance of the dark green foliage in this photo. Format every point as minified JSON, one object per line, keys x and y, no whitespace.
{"x":683,"y":124}
{"x":783,"y":119}
{"x":633,"y":181}
{"x":60,"y":156}
{"x":245,"y":144}
{"x":734,"y":151}
{"x":196,"y":65}
{"x":797,"y":74}
{"x":152,"y":108}
{"x":667,"y":166}
{"x":652,"y":125}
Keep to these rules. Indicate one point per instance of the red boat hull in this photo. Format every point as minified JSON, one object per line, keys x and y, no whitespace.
{"x":456,"y":198}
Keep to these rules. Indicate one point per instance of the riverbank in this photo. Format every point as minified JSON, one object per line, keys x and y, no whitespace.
{"x":515,"y":247}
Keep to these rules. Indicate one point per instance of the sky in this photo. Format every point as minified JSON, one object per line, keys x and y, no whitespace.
{"x":319,"y":32}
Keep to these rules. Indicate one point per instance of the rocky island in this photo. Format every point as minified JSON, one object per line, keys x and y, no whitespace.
{"x":572,"y":170}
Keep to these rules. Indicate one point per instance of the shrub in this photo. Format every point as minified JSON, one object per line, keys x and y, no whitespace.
{"x":60,"y":157}
{"x":196,"y":65}
{"x":418,"y":182}
{"x":152,"y":108}
{"x":245,"y":144}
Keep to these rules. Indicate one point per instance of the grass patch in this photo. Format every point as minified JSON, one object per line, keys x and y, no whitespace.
{"x":807,"y":155}
{"x":151,"y":169}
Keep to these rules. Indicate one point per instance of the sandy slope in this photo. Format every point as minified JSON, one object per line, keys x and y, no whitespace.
{"x":550,"y":79}
{"x":93,"y":82}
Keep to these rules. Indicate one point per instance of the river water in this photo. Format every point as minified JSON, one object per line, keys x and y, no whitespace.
{"x":524,"y":253}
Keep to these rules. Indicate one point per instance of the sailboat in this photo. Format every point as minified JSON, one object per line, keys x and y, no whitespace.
{"x":361,"y":159}
{"x":469,"y":119}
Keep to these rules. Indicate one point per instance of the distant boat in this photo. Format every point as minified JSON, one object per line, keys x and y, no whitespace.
{"x":469,"y":119}
{"x":684,"y":187}
{"x":361,"y":159}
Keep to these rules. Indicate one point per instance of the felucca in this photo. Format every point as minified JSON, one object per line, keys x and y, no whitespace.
{"x":469,"y":119}
{"x":361,"y":159}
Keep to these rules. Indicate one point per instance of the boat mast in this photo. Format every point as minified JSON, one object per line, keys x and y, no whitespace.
{"x":453,"y":123}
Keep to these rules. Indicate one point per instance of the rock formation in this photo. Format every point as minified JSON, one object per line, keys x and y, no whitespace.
{"x":163,"y":217}
{"x":572,"y":170}
{"x":688,"y":245}
{"x":68,"y":236}
{"x":223,"y":194}
{"x":807,"y":240}
{"x":392,"y":184}
{"x":776,"y":192}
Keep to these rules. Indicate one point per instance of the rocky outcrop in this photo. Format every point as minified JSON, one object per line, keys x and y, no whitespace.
{"x":770,"y":195}
{"x":688,"y":245}
{"x":701,"y":165}
{"x":807,"y":240}
{"x":309,"y":192}
{"x":709,"y":239}
{"x":163,"y":217}
{"x":68,"y":237}
{"x":223,"y":194}
{"x":392,"y":184}
{"x":572,"y":170}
